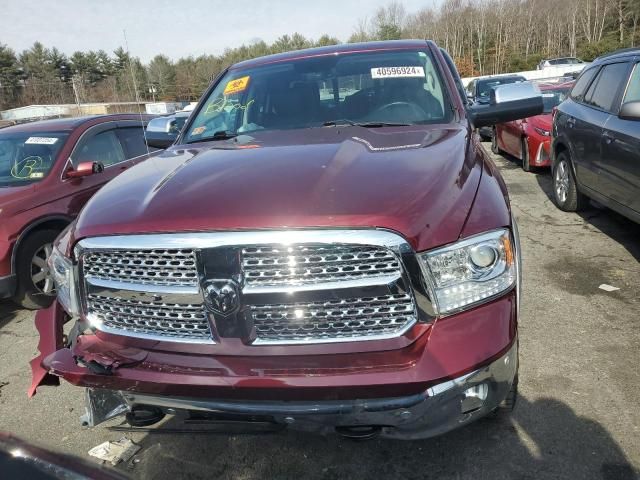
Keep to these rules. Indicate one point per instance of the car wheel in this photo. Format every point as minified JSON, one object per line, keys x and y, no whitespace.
{"x":494,"y":143}
{"x":565,"y":191}
{"x":35,"y":287}
{"x":524,"y":149}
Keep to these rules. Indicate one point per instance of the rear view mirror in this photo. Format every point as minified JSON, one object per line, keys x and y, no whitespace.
{"x":84,"y":169}
{"x":630,"y":111}
{"x":508,"y":102}
{"x":161,"y":140}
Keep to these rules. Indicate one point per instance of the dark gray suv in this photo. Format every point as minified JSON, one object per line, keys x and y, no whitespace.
{"x":596,"y":137}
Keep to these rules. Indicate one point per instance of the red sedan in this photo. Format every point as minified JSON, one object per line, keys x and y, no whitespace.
{"x":530,"y":139}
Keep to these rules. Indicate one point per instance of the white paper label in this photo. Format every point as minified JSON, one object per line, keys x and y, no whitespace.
{"x":41,"y":141}
{"x":397,"y":72}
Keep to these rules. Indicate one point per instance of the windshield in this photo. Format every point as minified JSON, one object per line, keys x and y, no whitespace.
{"x":553,"y":97}
{"x":485,"y":86}
{"x":401,"y":86}
{"x":565,"y":61}
{"x":27,"y":157}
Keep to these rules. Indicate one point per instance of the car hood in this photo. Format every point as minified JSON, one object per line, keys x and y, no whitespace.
{"x":418,"y":180}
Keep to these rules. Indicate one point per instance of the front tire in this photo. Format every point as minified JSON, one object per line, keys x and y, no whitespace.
{"x":494,"y":143}
{"x":35,"y":287}
{"x":524,"y":149}
{"x":565,"y":190}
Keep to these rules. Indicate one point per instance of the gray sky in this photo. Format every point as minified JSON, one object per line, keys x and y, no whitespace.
{"x":176,"y":28}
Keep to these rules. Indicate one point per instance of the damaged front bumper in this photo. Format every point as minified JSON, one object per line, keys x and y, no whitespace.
{"x":441,"y":408}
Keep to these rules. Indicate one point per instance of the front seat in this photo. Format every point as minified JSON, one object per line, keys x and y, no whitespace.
{"x":296,"y":106}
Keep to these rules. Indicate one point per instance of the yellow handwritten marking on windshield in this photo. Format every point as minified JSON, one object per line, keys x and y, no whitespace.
{"x":237,"y":85}
{"x":24,"y":168}
{"x":221,"y":104}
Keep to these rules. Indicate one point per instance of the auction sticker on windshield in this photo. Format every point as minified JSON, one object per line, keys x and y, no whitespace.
{"x":237,"y":85}
{"x":41,"y":140}
{"x":397,"y":72}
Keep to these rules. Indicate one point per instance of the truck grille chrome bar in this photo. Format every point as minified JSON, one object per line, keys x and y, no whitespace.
{"x":313,"y":264}
{"x":333,"y":320}
{"x":295,"y":287}
{"x":148,"y":267}
{"x":182,"y":322}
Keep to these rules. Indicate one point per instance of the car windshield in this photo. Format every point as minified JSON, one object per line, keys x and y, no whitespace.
{"x":565,"y":61}
{"x":553,"y":97}
{"x":27,"y":157}
{"x":485,"y":86}
{"x":391,"y":87}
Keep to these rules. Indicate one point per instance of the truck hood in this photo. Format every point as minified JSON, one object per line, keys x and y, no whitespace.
{"x":419,"y":181}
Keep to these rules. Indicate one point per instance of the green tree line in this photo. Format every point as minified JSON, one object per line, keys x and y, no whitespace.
{"x":483,"y":36}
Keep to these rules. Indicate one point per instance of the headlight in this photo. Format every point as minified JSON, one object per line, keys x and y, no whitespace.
{"x":470,"y":271}
{"x":543,"y":132}
{"x":62,"y":270}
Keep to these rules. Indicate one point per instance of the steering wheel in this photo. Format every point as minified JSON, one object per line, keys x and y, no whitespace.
{"x":418,"y":112}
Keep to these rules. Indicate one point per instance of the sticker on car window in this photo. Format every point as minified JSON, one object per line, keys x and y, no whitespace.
{"x":198,"y":130}
{"x":397,"y":72}
{"x":41,"y":141}
{"x":36,"y":175}
{"x":236,"y":86}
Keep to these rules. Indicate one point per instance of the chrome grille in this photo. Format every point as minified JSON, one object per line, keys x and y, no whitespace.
{"x":349,"y":318}
{"x":131,"y":317}
{"x":156,"y":267}
{"x":297,"y":286}
{"x":312,"y":264}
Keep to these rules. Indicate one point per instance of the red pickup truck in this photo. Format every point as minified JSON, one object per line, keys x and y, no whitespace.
{"x":326,"y":246}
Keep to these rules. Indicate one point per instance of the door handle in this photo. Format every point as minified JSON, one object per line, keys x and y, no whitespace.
{"x":608,"y":139}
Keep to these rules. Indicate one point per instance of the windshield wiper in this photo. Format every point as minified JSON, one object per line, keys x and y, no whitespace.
{"x":219,"y":135}
{"x":383,"y":124}
{"x":342,"y":122}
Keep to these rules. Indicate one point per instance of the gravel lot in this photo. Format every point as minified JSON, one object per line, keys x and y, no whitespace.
{"x":577,"y":415}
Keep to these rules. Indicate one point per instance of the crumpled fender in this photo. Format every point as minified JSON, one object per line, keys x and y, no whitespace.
{"x":49,"y":324}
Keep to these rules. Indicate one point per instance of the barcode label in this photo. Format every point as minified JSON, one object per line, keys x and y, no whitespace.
{"x":397,"y":72}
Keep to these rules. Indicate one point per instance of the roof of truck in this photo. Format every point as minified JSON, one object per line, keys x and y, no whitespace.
{"x":333,"y":49}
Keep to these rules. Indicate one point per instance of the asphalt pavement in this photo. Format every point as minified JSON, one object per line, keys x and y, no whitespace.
{"x":577,"y":416}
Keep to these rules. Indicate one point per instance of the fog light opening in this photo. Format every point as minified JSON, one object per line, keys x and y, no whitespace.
{"x":473,"y":397}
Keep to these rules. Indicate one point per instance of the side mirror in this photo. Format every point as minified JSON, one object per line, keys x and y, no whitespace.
{"x":507,"y":102}
{"x":161,"y":140}
{"x":84,"y":169}
{"x":630,"y":111}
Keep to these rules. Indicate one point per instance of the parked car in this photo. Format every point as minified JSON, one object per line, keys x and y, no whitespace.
{"x":163,"y":130}
{"x":596,"y":138}
{"x":341,"y":262}
{"x":557,"y":62}
{"x":48,"y":171}
{"x":479,"y":90}
{"x":529,"y":139}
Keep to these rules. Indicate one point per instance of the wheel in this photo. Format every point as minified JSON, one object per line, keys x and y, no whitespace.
{"x":35,"y":287}
{"x":524,"y":149}
{"x":565,"y":191}
{"x":494,"y":143}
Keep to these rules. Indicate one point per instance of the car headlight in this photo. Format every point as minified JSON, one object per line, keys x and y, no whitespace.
{"x":63,"y":274}
{"x":542,"y":131}
{"x":471,"y":271}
